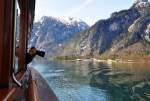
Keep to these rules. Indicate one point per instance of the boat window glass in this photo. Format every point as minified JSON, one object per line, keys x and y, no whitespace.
{"x":16,"y":37}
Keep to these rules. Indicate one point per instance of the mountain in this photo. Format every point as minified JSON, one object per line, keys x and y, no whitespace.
{"x":51,"y":34}
{"x":125,"y":34}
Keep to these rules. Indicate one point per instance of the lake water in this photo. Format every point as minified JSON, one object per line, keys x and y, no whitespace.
{"x":95,"y":81}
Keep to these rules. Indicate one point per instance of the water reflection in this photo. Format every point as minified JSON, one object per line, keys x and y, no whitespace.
{"x":124,"y":82}
{"x":95,"y":81}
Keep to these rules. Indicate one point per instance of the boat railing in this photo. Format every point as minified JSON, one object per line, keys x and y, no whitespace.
{"x":32,"y":94}
{"x":32,"y":90}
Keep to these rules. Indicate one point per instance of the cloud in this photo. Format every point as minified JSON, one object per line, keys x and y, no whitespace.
{"x":78,"y":8}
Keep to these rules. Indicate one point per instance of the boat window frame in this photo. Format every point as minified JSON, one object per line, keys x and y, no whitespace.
{"x":16,"y":37}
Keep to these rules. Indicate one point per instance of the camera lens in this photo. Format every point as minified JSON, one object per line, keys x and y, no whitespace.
{"x":40,"y":53}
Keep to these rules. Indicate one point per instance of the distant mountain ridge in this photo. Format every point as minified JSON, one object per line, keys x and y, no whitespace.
{"x":51,"y":34}
{"x":125,"y":34}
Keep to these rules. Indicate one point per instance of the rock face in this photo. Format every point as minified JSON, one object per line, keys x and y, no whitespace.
{"x":124,"y":33}
{"x":51,"y":34}
{"x":143,"y":6}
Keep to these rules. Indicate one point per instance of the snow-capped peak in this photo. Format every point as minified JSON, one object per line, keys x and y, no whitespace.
{"x":65,"y":20}
{"x":141,"y":3}
{"x":68,"y":20}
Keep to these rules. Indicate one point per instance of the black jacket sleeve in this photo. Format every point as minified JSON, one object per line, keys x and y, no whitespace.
{"x":29,"y":58}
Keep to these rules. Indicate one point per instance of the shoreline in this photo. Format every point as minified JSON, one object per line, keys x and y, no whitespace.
{"x":109,"y":61}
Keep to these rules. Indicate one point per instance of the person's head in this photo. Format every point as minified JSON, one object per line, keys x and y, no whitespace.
{"x":32,"y":51}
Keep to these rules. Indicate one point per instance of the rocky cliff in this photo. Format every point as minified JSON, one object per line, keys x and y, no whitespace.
{"x":51,"y":34}
{"x":125,"y":34}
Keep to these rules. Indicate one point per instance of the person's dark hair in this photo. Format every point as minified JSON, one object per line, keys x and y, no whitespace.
{"x":32,"y":47}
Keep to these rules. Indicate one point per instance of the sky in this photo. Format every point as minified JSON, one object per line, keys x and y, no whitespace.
{"x":89,"y":11}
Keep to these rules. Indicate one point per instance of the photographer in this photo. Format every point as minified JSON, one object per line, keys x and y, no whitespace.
{"x":31,"y":54}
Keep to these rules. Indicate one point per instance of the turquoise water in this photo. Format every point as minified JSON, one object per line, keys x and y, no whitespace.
{"x":95,"y":81}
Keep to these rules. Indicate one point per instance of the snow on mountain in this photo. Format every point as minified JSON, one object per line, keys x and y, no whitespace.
{"x":51,"y":33}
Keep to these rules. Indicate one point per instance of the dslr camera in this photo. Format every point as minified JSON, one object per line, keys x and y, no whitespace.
{"x":38,"y":52}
